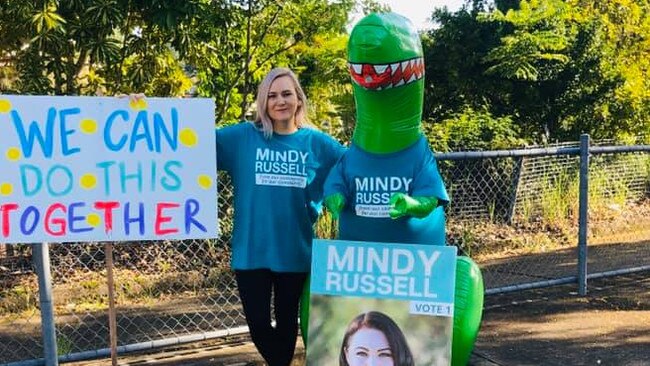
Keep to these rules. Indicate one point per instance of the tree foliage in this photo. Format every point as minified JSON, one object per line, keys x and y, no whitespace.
{"x":537,"y":70}
{"x":240,"y":45}
{"x":85,"y":47}
{"x":165,"y":47}
{"x":557,"y":68}
{"x":473,"y":130}
{"x":535,"y":48}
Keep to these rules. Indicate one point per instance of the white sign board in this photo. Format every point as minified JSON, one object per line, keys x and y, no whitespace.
{"x":76,"y":169}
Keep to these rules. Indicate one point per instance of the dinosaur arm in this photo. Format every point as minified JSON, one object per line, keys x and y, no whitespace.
{"x":335,"y":204}
{"x":403,"y":205}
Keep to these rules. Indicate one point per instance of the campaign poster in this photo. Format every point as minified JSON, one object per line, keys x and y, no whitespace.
{"x":78,"y":169}
{"x":381,"y":304}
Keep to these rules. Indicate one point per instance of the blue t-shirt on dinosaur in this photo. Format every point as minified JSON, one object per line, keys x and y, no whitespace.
{"x":278,"y":187}
{"x":367,"y":181}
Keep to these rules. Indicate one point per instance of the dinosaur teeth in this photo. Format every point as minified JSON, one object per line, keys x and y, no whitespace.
{"x":412,"y":79}
{"x":412,"y":63}
{"x":379,"y":69}
{"x":419,"y":67}
{"x":380,"y":77}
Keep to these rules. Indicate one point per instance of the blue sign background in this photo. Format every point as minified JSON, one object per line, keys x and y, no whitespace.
{"x":384,"y":270}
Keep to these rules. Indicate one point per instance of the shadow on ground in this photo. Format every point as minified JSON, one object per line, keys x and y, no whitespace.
{"x":555,"y":326}
{"x":548,"y":326}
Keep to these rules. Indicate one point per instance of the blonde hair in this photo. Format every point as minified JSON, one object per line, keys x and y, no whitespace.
{"x":262,"y":120}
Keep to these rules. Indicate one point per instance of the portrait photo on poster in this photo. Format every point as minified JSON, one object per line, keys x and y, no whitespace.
{"x":349,"y":331}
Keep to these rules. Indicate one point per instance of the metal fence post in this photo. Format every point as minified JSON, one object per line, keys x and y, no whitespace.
{"x":583,"y":214}
{"x":516,"y":181}
{"x":42,"y":261}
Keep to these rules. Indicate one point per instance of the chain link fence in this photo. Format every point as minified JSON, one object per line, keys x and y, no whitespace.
{"x":515,"y":214}
{"x":518,"y":216}
{"x":619,"y":212}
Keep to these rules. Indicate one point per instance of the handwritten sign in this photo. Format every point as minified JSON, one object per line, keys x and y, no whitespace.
{"x":106,"y":169}
{"x":396,"y":288}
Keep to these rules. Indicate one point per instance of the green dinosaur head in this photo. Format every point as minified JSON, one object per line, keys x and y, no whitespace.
{"x":387,"y":68}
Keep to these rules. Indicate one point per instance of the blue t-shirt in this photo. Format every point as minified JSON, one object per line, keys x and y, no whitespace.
{"x":367,"y":181}
{"x":278,"y":187}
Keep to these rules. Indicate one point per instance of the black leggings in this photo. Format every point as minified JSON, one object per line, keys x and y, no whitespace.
{"x":277,"y":345}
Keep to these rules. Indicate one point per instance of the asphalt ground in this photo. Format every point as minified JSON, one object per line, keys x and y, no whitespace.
{"x":546,"y":326}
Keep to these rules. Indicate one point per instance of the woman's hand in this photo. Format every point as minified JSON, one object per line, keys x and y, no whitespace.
{"x":133,"y":97}
{"x":136,"y":100}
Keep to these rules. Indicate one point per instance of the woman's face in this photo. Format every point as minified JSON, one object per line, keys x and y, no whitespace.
{"x":369,"y":347}
{"x":282,"y":102}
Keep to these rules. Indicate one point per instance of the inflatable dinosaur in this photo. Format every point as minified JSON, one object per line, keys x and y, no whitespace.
{"x":387,"y":187}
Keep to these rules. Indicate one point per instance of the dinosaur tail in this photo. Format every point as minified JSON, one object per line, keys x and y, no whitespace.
{"x":468,"y":309}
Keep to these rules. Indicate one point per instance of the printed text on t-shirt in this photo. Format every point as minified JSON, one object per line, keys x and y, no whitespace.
{"x":373,"y":194}
{"x":286,"y":168}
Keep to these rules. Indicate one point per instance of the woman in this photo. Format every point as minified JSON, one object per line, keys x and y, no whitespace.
{"x":278,"y":167}
{"x":373,"y":338}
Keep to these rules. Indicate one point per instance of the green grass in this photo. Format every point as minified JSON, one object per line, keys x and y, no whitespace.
{"x":559,"y":198}
{"x":64,"y":345}
{"x":18,"y":299}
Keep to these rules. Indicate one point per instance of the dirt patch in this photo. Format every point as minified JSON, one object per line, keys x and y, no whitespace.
{"x":608,"y":224}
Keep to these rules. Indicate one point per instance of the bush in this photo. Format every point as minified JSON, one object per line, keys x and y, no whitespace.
{"x":473,"y":130}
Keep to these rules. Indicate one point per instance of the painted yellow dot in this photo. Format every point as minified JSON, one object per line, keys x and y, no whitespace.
{"x":13,"y":153}
{"x":6,"y":189}
{"x":188,"y":137}
{"x":205,"y":181}
{"x":88,"y":181}
{"x":88,"y":126}
{"x":93,"y":219}
{"x":138,"y":105}
{"x":5,"y":106}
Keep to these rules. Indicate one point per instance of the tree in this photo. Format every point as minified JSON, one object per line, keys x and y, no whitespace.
{"x":244,"y":39}
{"x":455,"y":72}
{"x":324,"y":75}
{"x":84,"y":47}
{"x":622,"y":29}
{"x":583,"y":62}
{"x":218,"y":48}
{"x":535,"y":49}
{"x":557,"y":68}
